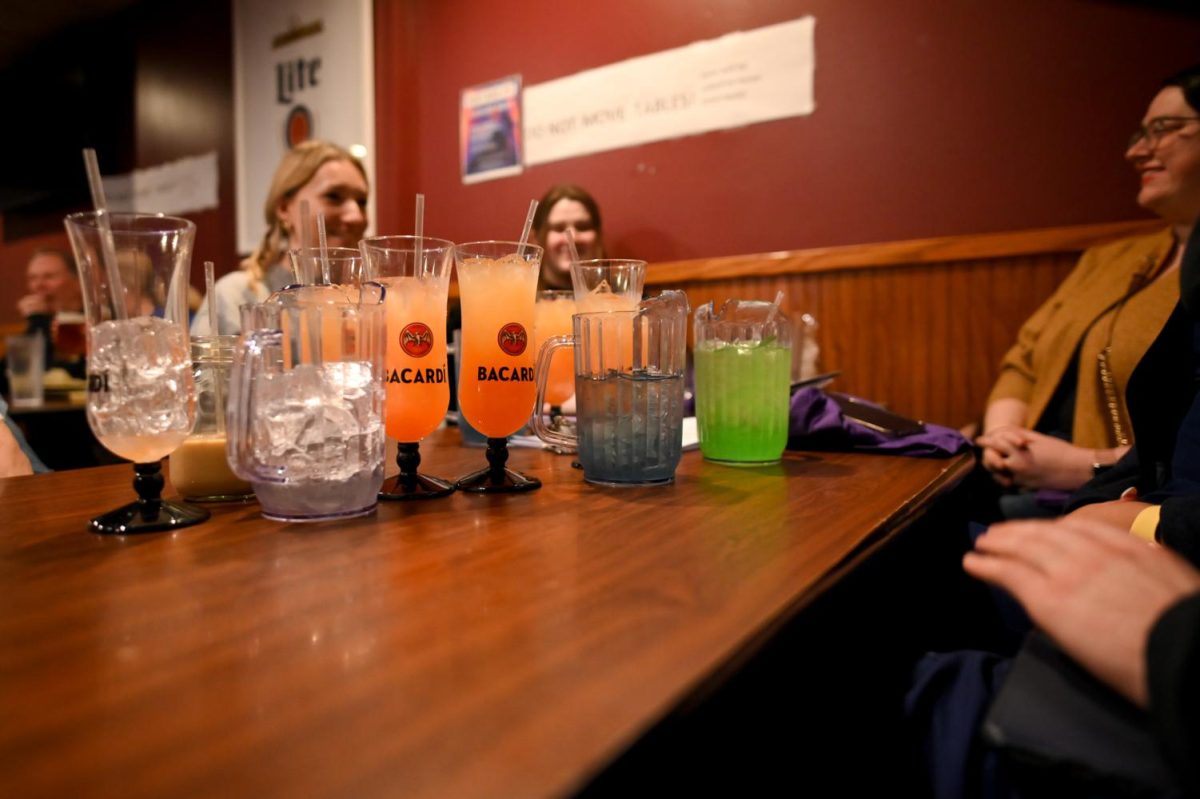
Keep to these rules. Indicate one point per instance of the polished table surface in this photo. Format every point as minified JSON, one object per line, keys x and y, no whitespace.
{"x":470,"y":646}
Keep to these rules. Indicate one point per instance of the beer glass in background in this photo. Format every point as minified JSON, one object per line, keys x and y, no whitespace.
{"x":628,"y":392}
{"x":141,"y":402}
{"x":415,"y":272}
{"x":305,"y":418}
{"x":743,"y":358}
{"x":497,"y":282}
{"x":70,"y":335}
{"x":552,"y":317}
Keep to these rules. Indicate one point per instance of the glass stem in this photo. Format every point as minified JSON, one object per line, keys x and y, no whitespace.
{"x":148,"y":483}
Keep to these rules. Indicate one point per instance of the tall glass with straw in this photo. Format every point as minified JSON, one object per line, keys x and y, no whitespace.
{"x":497,"y":281}
{"x":133,"y":269}
{"x":415,"y":271}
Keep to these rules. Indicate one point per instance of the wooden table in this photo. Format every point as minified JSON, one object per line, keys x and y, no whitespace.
{"x":471,"y":646}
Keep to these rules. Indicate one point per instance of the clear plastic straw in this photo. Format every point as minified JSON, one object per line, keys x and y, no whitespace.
{"x":304,"y":263}
{"x":527,"y":229}
{"x":419,"y":230}
{"x":771,"y":314}
{"x":209,"y":282}
{"x":108,"y":247}
{"x":577,"y":281}
{"x":324,"y":247}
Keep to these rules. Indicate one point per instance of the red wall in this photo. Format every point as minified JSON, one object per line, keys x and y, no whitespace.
{"x":933,"y":118}
{"x":182,"y":105}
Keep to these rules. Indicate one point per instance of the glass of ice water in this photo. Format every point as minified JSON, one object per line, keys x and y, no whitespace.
{"x":133,"y":269}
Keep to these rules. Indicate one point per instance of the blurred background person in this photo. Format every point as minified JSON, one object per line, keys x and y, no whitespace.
{"x":52,"y":285}
{"x":334,"y":183}
{"x":566,"y":207}
{"x":54,"y":300}
{"x":1057,"y":414}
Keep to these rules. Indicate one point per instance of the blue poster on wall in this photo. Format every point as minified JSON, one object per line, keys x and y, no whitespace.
{"x":490,"y":130}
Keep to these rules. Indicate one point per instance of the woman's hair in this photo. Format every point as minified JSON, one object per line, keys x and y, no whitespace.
{"x":1189,"y":81}
{"x":568,"y":191}
{"x":295,"y":170}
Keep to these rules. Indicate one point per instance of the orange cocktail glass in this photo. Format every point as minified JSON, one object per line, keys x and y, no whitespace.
{"x":415,"y":272}
{"x":497,"y":283}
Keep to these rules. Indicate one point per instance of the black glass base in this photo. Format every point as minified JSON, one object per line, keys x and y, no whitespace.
{"x":503,"y":481}
{"x":410,"y":484}
{"x":148,"y":516}
{"x":417,"y":486}
{"x":496,"y":478}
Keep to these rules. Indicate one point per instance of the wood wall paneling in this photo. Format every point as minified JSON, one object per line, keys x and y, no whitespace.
{"x":923,"y":334}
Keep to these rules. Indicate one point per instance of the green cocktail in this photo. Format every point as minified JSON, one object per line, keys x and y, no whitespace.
{"x":742,"y":395}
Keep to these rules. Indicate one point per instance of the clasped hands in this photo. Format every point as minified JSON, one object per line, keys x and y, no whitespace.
{"x":1022,"y":458}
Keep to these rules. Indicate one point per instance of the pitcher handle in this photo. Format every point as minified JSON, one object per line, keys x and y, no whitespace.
{"x":254,"y":355}
{"x":540,"y":428}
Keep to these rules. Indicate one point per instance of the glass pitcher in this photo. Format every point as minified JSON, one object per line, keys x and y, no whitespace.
{"x":305,"y":422}
{"x":629,"y":368}
{"x":743,"y":359}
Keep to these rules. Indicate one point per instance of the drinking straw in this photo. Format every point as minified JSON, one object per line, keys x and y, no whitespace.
{"x":304,"y":262}
{"x":774,"y":309}
{"x":528,"y":227}
{"x":209,"y":282}
{"x":324,"y":246}
{"x":108,"y":247}
{"x":577,"y":281}
{"x":420,"y":231}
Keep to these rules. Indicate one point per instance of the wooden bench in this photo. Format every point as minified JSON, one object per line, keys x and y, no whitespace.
{"x":918,"y":325}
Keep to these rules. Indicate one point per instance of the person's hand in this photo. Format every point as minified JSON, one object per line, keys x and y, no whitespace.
{"x":1096,"y":590}
{"x":997,"y":444}
{"x":32,"y":304}
{"x":1034,"y":460}
{"x":13,"y":461}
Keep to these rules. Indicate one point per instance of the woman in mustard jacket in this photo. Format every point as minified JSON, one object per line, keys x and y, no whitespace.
{"x":1057,"y":413}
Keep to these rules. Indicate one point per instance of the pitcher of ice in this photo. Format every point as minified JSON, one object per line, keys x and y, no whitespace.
{"x":629,"y":369}
{"x":305,"y":418}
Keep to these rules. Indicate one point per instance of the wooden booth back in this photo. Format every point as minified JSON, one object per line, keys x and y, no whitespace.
{"x":919,"y":326}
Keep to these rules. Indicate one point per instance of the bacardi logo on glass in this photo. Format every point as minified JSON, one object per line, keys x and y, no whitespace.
{"x":416,"y":339}
{"x":512,"y":338}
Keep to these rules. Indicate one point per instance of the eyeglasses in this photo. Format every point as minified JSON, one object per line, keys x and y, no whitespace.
{"x":1153,"y":131}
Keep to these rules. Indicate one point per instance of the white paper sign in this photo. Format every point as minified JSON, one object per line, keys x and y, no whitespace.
{"x":177,"y":187}
{"x":738,"y":79}
{"x":303,"y":69}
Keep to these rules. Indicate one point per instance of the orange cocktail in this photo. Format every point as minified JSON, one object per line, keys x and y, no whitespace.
{"x":415,"y":274}
{"x":497,"y":385}
{"x":498,"y":285}
{"x":552,"y":317}
{"x":417,"y":383}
